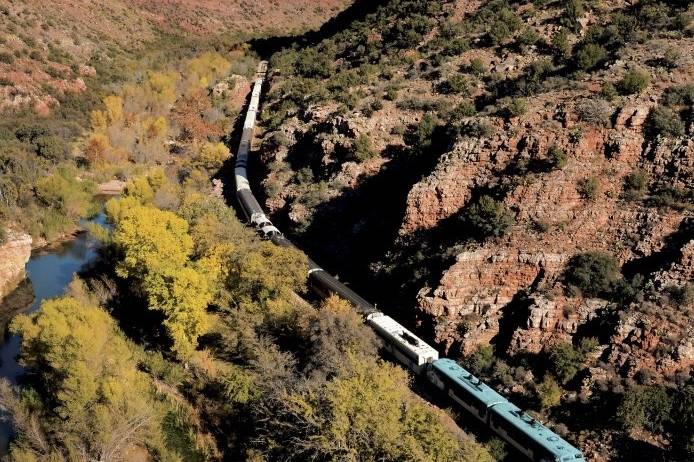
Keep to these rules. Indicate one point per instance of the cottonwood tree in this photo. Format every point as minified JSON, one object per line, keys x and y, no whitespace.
{"x":89,"y":401}
{"x":155,"y":249}
{"x":366,"y":414}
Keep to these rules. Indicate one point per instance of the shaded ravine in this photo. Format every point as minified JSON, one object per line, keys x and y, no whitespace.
{"x":49,"y":272}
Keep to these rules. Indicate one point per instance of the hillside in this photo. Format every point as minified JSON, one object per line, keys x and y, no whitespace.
{"x":513,"y":174}
{"x":50,"y":49}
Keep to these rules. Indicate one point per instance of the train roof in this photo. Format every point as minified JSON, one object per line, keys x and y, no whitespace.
{"x":469,"y":382}
{"x":405,"y":337}
{"x":543,"y":436}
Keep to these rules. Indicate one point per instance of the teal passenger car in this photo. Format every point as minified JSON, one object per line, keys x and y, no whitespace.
{"x":526,"y":434}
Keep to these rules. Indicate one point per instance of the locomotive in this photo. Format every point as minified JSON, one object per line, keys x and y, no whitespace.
{"x":525,"y":433}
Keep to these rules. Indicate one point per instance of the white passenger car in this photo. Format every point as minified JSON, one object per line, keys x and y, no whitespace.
{"x":405,"y":346}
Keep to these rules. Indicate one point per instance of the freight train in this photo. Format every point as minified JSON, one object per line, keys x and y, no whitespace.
{"x":520,"y":430}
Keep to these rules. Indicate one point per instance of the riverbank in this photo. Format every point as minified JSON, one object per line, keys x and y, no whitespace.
{"x":49,"y":270}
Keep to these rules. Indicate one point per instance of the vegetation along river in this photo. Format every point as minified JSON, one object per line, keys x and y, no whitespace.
{"x":49,"y":271}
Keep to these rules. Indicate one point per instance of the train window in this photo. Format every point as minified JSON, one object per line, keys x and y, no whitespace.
{"x":513,"y":432}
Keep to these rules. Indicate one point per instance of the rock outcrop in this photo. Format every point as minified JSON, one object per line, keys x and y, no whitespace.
{"x":15,"y":252}
{"x":472,"y":304}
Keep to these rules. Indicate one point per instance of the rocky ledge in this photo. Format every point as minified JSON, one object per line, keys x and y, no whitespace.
{"x":14,"y":255}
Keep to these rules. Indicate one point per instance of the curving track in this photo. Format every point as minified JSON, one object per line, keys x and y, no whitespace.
{"x":520,"y":430}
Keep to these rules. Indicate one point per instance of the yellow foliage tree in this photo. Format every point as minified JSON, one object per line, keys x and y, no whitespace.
{"x":205,"y":69}
{"x":366,"y":414}
{"x":156,"y":248}
{"x":140,"y":189}
{"x":162,"y":86}
{"x":99,"y":121}
{"x":103,"y":403}
{"x":97,"y":148}
{"x":152,"y":241}
{"x":114,"y":109}
{"x":263,"y":272}
{"x":156,"y":127}
{"x":212,"y":155}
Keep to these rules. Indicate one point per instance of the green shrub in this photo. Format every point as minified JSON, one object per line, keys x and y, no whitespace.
{"x":635,"y":81}
{"x":679,"y":95}
{"x":565,"y":361}
{"x":391,"y":93}
{"x":608,"y":91}
{"x":588,"y":187}
{"x":671,"y":58}
{"x":465,"y":109}
{"x":455,"y":47}
{"x":420,"y":137}
{"x":573,"y":11}
{"x":488,"y":218}
{"x":513,"y":107}
{"x":589,"y":56}
{"x":644,"y":407}
{"x":481,"y":360}
{"x":528,"y":37}
{"x":594,"y":274}
{"x":556,"y":158}
{"x":561,"y":45}
{"x":477,"y":67}
{"x":6,"y":58}
{"x":457,"y":83}
{"x":363,"y":149}
{"x":635,"y":185}
{"x":549,"y":393}
{"x":666,"y":122}
{"x":51,"y":147}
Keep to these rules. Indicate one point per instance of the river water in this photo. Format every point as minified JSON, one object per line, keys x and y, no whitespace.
{"x":48,"y":274}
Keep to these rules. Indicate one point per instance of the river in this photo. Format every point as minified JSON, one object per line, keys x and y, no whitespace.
{"x":49,"y":271}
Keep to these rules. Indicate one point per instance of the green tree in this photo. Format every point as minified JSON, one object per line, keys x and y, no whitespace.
{"x":63,"y":191}
{"x":644,"y":407}
{"x":549,"y":393}
{"x":683,"y":423}
{"x":589,"y":56}
{"x":635,"y":81}
{"x":565,"y":361}
{"x":488,"y":217}
{"x":593,"y":273}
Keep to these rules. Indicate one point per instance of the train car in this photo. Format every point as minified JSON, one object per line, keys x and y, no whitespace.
{"x":405,"y":346}
{"x":529,"y":436}
{"x":464,"y":388}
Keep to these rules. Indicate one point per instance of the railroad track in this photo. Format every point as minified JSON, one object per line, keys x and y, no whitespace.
{"x":525,"y":433}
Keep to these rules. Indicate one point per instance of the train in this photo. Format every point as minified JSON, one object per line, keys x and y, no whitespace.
{"x":528,"y":435}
